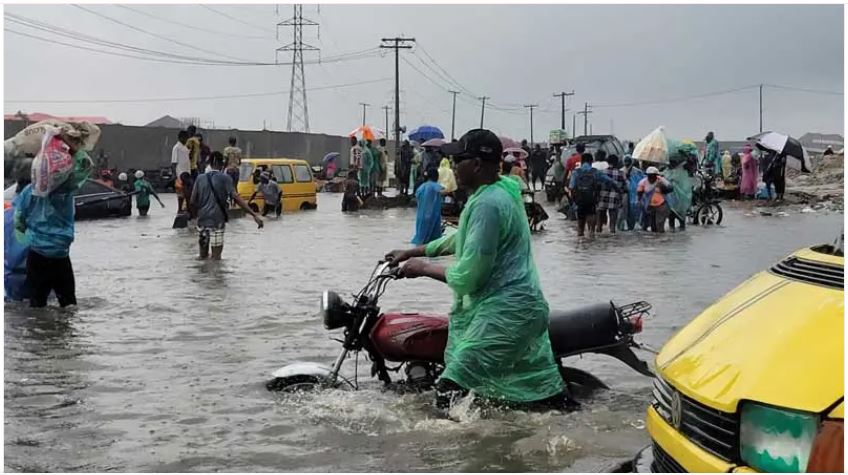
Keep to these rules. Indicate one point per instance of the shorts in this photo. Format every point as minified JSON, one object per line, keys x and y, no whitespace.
{"x":46,"y":274}
{"x":211,"y":236}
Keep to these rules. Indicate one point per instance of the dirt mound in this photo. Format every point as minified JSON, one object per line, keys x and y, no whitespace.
{"x":823,"y":188}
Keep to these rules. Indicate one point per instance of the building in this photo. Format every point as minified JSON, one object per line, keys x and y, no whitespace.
{"x":816,"y":143}
{"x":169,"y":123}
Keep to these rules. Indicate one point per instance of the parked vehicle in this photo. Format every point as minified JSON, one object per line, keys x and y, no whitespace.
{"x":93,"y":200}
{"x":293,"y":176}
{"x":706,"y":207}
{"x":756,"y":382}
{"x":608,"y":143}
{"x":417,"y":341}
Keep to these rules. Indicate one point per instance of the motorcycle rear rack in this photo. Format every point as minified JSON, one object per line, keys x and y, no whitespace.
{"x":636,"y":308}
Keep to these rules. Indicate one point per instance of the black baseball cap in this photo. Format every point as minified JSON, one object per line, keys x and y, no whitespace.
{"x":476,"y":143}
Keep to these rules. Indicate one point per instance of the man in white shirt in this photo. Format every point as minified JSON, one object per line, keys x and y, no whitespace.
{"x":181,"y":166}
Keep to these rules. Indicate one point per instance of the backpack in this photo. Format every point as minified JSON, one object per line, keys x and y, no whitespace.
{"x":585,"y":189}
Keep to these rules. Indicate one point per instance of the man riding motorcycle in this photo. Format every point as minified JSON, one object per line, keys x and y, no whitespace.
{"x":498,"y":344}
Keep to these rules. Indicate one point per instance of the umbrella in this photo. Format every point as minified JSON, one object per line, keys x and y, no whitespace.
{"x":425,"y":133}
{"x":330,"y":156}
{"x":366,"y":132}
{"x":796,"y":155}
{"x":508,"y":142}
{"x":433,"y":143}
{"x":522,"y":155}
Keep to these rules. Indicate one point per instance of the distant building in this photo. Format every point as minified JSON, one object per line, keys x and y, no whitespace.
{"x":817,"y":143}
{"x":732,"y":146}
{"x":39,"y":116}
{"x":169,"y":123}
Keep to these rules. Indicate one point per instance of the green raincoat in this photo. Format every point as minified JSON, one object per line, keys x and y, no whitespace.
{"x":367,"y":164}
{"x":680,"y":199}
{"x":498,"y":344}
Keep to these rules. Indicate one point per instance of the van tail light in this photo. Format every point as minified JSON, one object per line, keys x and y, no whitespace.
{"x":828,"y":454}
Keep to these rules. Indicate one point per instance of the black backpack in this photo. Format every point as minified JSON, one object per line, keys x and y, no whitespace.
{"x":585,"y":189}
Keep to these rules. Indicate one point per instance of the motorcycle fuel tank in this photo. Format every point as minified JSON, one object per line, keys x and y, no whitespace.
{"x":411,"y":336}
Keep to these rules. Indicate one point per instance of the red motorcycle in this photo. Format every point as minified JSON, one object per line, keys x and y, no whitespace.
{"x":416,"y":342}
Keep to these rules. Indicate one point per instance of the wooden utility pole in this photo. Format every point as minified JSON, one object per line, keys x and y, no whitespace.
{"x":482,"y":110}
{"x":386,"y":108}
{"x":563,"y":95}
{"x":585,"y":113}
{"x":453,"y":114}
{"x":397,"y":44}
{"x":364,"y":105}
{"x":531,"y":107}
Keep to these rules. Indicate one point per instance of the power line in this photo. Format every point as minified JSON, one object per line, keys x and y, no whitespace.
{"x":153,"y":55}
{"x":225,"y":15}
{"x":801,"y":89}
{"x":192,"y":27}
{"x":678,"y":99}
{"x":155,"y":35}
{"x":196,"y":98}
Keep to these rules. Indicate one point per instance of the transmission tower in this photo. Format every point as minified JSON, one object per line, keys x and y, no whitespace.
{"x":298,"y":115}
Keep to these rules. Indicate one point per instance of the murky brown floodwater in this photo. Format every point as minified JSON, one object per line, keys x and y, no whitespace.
{"x":162,"y":366}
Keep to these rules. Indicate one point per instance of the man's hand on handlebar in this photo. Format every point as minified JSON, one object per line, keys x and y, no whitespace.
{"x":413,"y":268}
{"x":400,"y":255}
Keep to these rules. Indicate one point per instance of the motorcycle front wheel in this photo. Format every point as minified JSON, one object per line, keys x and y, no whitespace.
{"x":709,"y":213}
{"x":295,"y":384}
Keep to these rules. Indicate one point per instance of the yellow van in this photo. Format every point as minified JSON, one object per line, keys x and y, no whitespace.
{"x":294,"y":177}
{"x":756,"y":382}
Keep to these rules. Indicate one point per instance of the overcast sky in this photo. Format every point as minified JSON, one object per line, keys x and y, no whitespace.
{"x":609,"y":55}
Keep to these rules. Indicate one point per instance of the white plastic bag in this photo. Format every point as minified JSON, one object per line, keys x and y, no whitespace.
{"x":29,"y":140}
{"x":653,"y":148}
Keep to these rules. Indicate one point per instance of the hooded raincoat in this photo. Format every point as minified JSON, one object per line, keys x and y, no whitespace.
{"x":446,"y":176}
{"x":428,"y":218}
{"x":367,"y":165}
{"x":680,"y":199}
{"x":498,"y":343}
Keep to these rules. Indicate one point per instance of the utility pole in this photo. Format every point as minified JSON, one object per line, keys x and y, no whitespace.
{"x":397,"y":43}
{"x":482,"y":109}
{"x":761,"y":108}
{"x":364,"y":105}
{"x":585,"y":113}
{"x":531,"y":107}
{"x":453,"y":114}
{"x":298,"y":110}
{"x":563,"y":95}
{"x":386,"y":108}
{"x":574,"y":126}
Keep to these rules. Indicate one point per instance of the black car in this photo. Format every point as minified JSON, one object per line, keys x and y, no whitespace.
{"x":95,"y":200}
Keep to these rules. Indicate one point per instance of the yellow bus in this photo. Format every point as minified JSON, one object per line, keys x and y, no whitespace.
{"x":293,"y":176}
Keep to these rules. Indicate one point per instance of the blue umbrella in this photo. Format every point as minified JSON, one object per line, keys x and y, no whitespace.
{"x":425,"y":133}
{"x":330,"y":156}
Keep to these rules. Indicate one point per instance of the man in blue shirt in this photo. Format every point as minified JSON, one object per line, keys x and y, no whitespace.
{"x":583,"y":190}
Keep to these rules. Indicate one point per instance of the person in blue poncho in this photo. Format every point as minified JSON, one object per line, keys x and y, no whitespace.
{"x":428,"y":220}
{"x":498,"y":344}
{"x":633,"y":175}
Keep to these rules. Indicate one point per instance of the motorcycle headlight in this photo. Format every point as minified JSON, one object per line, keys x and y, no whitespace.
{"x":333,"y":310}
{"x":776,"y":440}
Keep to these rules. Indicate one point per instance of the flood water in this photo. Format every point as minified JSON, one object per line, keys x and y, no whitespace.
{"x":163,"y":364}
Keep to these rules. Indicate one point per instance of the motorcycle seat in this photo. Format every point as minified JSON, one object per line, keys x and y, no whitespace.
{"x":579,"y":329}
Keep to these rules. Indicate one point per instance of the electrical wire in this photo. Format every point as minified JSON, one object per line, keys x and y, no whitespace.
{"x":676,"y":99}
{"x":801,"y":89}
{"x":155,"y":35}
{"x":196,"y":98}
{"x":192,"y":27}
{"x":154,"y":55}
{"x":225,"y":15}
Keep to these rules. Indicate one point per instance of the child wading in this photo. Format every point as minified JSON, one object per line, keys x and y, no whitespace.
{"x":144,"y":189}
